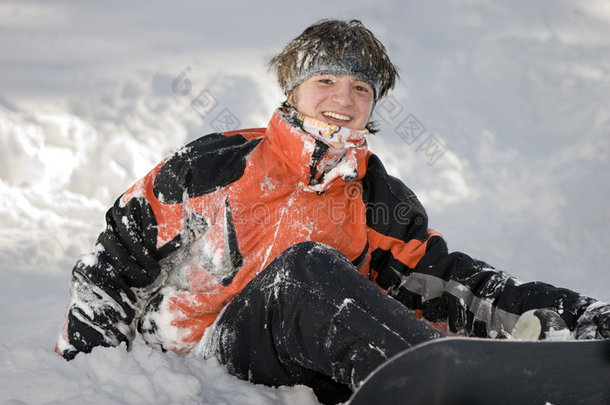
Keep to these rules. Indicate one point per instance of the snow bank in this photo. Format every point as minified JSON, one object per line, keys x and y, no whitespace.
{"x":33,"y":374}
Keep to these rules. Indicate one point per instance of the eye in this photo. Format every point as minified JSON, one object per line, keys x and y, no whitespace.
{"x":363,"y":88}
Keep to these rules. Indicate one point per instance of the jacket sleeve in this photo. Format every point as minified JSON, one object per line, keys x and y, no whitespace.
{"x":109,"y":286}
{"x":464,"y":295}
{"x":147,"y":224}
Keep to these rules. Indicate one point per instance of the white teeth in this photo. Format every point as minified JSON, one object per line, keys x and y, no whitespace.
{"x":336,"y":116}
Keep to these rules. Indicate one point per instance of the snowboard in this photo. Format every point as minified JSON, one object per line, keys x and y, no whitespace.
{"x":472,"y":371}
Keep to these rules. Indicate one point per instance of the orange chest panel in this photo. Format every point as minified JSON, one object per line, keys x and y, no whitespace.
{"x":235,"y":232}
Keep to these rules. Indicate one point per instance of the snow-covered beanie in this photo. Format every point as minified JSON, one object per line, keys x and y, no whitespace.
{"x":335,"y":47}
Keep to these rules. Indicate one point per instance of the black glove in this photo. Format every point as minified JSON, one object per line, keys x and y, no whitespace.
{"x":147,"y":326}
{"x":83,"y":335}
{"x":594,"y":323}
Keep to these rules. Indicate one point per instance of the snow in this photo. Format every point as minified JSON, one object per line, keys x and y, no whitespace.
{"x":510,"y":151}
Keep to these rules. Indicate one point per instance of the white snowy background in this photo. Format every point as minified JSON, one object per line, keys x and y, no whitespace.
{"x":93,"y":94}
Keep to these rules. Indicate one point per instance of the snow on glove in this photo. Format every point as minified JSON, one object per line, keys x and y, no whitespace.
{"x":93,"y":319}
{"x":82,"y":335}
{"x":594,"y":323}
{"x":541,"y":324}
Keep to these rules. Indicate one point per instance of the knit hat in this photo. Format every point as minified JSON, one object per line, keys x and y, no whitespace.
{"x":335,"y":47}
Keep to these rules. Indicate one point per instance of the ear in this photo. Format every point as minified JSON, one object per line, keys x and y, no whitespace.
{"x":290,"y":98}
{"x":371,"y":125}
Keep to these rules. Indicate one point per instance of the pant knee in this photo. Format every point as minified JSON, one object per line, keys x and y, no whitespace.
{"x":310,"y":250}
{"x":311,"y":261}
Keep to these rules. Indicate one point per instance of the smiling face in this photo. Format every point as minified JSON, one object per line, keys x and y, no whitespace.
{"x":341,"y":100}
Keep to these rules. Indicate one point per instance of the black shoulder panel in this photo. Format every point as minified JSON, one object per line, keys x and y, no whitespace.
{"x":392,"y":209}
{"x":203,"y":166}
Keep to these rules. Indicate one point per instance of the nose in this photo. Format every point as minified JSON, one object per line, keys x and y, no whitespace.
{"x":342,"y":93}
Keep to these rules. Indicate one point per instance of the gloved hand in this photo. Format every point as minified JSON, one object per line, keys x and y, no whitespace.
{"x":594,"y":323}
{"x":81,"y":334}
{"x":541,"y":324}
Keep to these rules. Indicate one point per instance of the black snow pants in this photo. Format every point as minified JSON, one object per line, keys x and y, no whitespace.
{"x":310,"y":318}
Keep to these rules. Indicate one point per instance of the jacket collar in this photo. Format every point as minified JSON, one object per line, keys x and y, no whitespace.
{"x":311,"y":159}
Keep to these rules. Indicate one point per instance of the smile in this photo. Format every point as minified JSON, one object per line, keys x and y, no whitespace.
{"x":337,"y":116}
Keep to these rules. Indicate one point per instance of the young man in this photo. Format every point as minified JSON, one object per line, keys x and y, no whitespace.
{"x":295,"y":252}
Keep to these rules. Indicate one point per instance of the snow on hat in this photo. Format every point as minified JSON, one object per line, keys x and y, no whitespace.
{"x":335,"y":47}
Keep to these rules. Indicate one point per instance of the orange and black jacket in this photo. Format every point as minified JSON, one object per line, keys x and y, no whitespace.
{"x":186,"y":238}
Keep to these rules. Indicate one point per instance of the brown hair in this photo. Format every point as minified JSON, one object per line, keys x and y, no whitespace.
{"x":339,"y":47}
